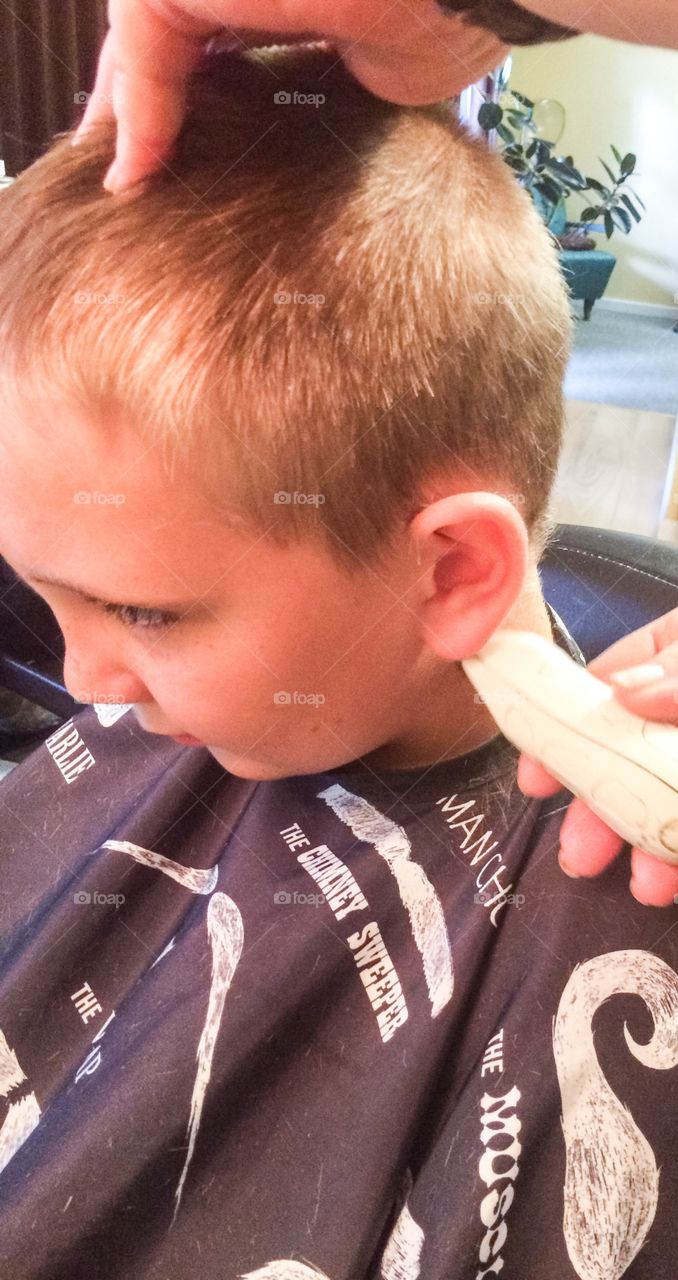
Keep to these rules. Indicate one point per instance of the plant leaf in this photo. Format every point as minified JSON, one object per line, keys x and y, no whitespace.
{"x":631,"y":208}
{"x":609,"y":224}
{"x":616,"y":154}
{"x":606,"y":167}
{"x":568,"y":175}
{"x":637,"y":198}
{"x":628,"y":164}
{"x":490,"y":115}
{"x":621,"y":219}
{"x":548,"y":189}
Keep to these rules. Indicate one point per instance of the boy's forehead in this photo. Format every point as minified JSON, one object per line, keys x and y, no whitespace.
{"x":57,"y":448}
{"x":72,"y":494}
{"x":68,"y":437}
{"x":92,"y":504}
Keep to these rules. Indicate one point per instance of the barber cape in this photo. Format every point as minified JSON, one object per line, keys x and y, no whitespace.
{"x":340,"y":1025}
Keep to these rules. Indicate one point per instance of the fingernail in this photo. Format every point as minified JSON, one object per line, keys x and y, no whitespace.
{"x":636,"y":677}
{"x":574,"y":875}
{"x":112,"y":179}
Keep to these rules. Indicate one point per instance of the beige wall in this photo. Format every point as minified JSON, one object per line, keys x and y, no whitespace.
{"x":627,"y":95}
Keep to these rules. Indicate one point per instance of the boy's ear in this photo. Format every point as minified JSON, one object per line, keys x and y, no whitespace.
{"x":473,"y":549}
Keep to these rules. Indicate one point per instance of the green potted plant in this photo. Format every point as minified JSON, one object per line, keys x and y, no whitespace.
{"x":551,"y":179}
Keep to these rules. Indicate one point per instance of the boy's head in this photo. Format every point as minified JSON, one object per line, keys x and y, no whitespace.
{"x":276,"y":373}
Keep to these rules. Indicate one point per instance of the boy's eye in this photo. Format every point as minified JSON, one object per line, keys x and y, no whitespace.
{"x":132,"y":615}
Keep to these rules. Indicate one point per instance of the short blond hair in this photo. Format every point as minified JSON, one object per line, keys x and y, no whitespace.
{"x":336,"y":301}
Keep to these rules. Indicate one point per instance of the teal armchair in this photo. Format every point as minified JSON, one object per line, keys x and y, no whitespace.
{"x":587,"y":271}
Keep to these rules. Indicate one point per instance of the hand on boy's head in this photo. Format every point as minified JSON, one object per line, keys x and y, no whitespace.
{"x":643,"y":671}
{"x":403,"y":52}
{"x":413,"y":52}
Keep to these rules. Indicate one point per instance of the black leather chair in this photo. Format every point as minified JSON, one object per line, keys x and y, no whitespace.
{"x":31,"y":647}
{"x":602,"y":584}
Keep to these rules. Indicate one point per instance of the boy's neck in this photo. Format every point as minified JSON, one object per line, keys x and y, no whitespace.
{"x":454,"y":722}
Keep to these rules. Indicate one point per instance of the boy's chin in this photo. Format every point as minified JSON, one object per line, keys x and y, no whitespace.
{"x":244,"y":767}
{"x":268,"y":770}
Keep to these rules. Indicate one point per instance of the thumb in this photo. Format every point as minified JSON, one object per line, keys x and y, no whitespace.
{"x":650,"y":690}
{"x":642,"y":669}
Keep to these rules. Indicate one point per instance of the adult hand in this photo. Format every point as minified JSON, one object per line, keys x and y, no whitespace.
{"x":406,"y":51}
{"x":642,"y":668}
{"x":410,"y":51}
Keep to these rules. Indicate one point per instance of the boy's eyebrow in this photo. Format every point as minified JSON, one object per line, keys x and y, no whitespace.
{"x":175,"y":605}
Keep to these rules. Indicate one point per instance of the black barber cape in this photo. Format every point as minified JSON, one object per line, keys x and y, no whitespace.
{"x":337,"y":1025}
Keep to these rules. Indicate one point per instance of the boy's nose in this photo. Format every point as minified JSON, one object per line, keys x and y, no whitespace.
{"x":94,"y":678}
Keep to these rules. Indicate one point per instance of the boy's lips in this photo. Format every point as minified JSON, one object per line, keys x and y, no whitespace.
{"x":186,"y":739}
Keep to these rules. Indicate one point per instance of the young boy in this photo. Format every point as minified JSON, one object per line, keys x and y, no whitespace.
{"x":312,"y":996}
